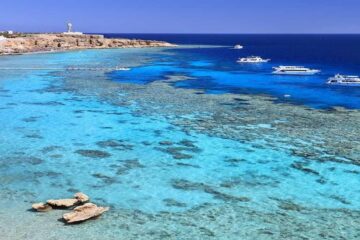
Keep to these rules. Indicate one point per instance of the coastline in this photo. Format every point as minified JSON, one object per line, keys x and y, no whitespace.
{"x":53,"y":43}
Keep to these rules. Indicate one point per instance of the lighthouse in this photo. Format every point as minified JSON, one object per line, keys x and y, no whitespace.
{"x":70,"y":30}
{"x":69,"y":27}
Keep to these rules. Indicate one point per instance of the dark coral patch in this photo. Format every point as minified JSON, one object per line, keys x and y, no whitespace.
{"x":301,"y":166}
{"x":104,"y":178}
{"x":129,"y":165}
{"x":93,"y":153}
{"x":30,"y":119}
{"x":166,"y":143}
{"x":34,"y":136}
{"x":115,"y":144}
{"x":290,"y":206}
{"x":169,"y":202}
{"x":50,"y":149}
{"x":194,"y":186}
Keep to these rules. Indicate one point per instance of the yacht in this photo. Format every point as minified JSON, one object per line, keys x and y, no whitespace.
{"x":122,"y":69}
{"x":252,"y":59}
{"x":238,"y":46}
{"x":344,"y":80}
{"x":295,"y":70}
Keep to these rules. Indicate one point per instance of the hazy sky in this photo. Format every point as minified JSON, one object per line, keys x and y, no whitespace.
{"x":183,"y":16}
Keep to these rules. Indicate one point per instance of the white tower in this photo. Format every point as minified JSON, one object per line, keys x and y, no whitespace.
{"x":70,"y":30}
{"x":69,"y":27}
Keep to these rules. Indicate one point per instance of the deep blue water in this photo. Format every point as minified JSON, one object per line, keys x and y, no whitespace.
{"x":215,"y":70}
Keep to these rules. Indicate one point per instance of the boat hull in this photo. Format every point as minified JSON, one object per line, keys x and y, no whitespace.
{"x":265,"y":61}
{"x":345,"y":84}
{"x":296,"y":73}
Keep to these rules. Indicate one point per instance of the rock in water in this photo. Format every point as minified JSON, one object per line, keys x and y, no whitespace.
{"x":63,"y":203}
{"x":84,"y":212}
{"x":41,"y":207}
{"x":82,"y":197}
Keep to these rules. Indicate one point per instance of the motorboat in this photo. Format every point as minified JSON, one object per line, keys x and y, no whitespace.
{"x":347,"y":80}
{"x":122,"y":69}
{"x":252,"y":59}
{"x":295,"y":70}
{"x":238,"y":46}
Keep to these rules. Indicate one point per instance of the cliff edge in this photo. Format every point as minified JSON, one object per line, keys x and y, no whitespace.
{"x":31,"y":43}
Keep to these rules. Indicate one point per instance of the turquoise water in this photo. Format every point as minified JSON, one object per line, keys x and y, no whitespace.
{"x":154,"y":149}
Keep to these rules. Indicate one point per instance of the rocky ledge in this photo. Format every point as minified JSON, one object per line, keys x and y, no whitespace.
{"x":83,"y":211}
{"x":30,"y":43}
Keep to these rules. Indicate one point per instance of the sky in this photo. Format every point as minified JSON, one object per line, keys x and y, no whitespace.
{"x":182,"y":16}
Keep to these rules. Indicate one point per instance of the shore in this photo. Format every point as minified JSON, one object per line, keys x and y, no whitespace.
{"x":34,"y":43}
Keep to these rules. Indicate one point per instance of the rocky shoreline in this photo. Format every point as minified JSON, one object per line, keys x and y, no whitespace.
{"x":33,"y":43}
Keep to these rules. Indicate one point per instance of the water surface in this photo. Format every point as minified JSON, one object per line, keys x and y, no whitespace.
{"x":187,"y":144}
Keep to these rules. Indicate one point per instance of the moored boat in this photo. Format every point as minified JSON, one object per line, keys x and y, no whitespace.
{"x":252,"y":59}
{"x":295,"y":70}
{"x":346,"y":80}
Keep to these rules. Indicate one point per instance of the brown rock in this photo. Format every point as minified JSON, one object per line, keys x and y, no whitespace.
{"x":82,"y":197}
{"x":63,"y":203}
{"x":84,"y":212}
{"x":41,"y":207}
{"x":59,"y":42}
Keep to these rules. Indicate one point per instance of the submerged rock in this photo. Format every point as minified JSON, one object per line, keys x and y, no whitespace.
{"x":84,"y":212}
{"x":62,"y":203}
{"x":41,"y":207}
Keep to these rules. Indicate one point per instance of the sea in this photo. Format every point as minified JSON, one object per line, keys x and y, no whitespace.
{"x":186,"y":143}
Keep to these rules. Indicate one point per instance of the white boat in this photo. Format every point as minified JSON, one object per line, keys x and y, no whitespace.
{"x":252,"y":59}
{"x":344,"y":80}
{"x":122,"y":69}
{"x":295,"y":70}
{"x":238,"y":46}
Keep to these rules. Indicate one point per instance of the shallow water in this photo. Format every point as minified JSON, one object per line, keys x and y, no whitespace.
{"x":156,"y":154}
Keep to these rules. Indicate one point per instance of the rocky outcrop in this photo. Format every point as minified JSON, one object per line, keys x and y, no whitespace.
{"x":41,"y":207}
{"x":81,"y":213}
{"x":79,"y":198}
{"x":61,"y":42}
{"x":62,"y":203}
{"x":82,"y":197}
{"x":84,"y":212}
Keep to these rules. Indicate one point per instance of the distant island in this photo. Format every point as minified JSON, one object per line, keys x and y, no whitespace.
{"x":20,"y":43}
